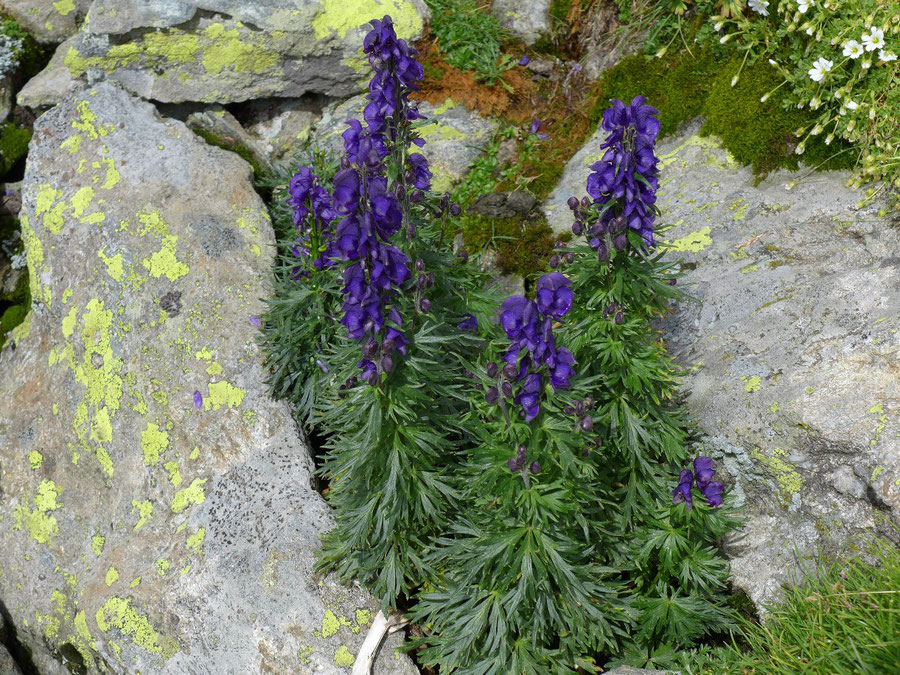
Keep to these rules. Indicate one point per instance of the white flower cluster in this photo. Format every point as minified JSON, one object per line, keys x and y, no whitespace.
{"x":759,"y":6}
{"x":853,"y":49}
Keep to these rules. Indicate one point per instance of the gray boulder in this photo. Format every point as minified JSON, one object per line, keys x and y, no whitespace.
{"x":49,"y":21}
{"x":222,"y":51}
{"x":157,"y":513}
{"x":526,"y":19}
{"x":792,"y":348}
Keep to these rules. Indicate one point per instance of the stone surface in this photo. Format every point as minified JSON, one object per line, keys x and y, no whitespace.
{"x":284,"y":128}
{"x":503,"y":205}
{"x":48,"y":21}
{"x":144,"y":531}
{"x":793,"y":348}
{"x":221,"y":127}
{"x":7,"y":664}
{"x":454,"y":136}
{"x":605,"y":42}
{"x":222,"y":51}
{"x":526,"y":19}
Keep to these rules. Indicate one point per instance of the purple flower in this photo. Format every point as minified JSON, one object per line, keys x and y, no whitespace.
{"x":554,"y":295}
{"x":469,"y":322}
{"x":682,"y":493}
{"x":704,"y":470}
{"x":368,"y":369}
{"x":198,"y":399}
{"x":713,"y":493}
{"x":530,"y":396}
{"x":524,"y":61}
{"x":255,"y":321}
{"x":346,"y":191}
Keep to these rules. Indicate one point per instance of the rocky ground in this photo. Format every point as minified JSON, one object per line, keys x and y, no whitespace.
{"x":158,"y":513}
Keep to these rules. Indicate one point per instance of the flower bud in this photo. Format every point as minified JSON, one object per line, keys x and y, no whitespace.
{"x":587,"y":424}
{"x":672,"y":282}
{"x":374,"y":378}
{"x":370,"y":349}
{"x":389,"y":345}
{"x":507,"y":389}
{"x":554,"y":262}
{"x":569,"y":410}
{"x":579,"y":408}
{"x":416,"y":196}
{"x":492,"y":369}
{"x":589,"y":402}
{"x":420,"y":265}
{"x":828,"y":139}
{"x":455,"y":210}
{"x":351,"y":382}
{"x":512,"y":465}
{"x":570,"y":258}
{"x":662,"y":52}
{"x":602,"y":253}
{"x":491,"y":395}
{"x":520,"y":452}
{"x":535,"y":467}
{"x":585,"y":202}
{"x":429,"y":280}
{"x":572,"y":203}
{"x":345,"y":163}
{"x":764,"y":98}
{"x":387,"y":364}
{"x":620,"y":242}
{"x":464,"y":256}
{"x":734,"y":80}
{"x":425,"y":305}
{"x":577,"y":227}
{"x":620,"y":317}
{"x":509,"y":371}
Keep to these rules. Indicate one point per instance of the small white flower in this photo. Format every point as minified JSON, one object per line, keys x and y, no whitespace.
{"x":718,"y":26}
{"x":852,"y":105}
{"x":773,"y":62}
{"x":803,"y":5}
{"x":809,"y":31}
{"x":887,"y":56}
{"x":820,"y":67}
{"x":759,"y":6}
{"x":853,"y":49}
{"x":874,"y":39}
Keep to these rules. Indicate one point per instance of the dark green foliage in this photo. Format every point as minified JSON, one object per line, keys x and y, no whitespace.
{"x":683,"y":86}
{"x":522,"y":248}
{"x":13,"y":146}
{"x":470,"y":37}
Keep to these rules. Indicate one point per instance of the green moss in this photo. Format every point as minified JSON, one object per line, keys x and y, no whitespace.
{"x":13,"y":146}
{"x":522,"y":249}
{"x":683,"y":86}
{"x":239,"y":148}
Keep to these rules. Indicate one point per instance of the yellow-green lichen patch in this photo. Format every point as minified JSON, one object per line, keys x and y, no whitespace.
{"x":174,"y":473}
{"x":35,"y":459}
{"x":39,"y":522}
{"x":876,"y":472}
{"x":97,"y":542}
{"x":118,"y":613}
{"x":112,"y":576}
{"x":694,"y":242}
{"x":114,"y":267}
{"x":154,"y":443}
{"x":305,"y":653}
{"x":162,"y":566}
{"x":228,"y":49}
{"x":339,"y":18}
{"x":751,"y":383}
{"x":165,"y":261}
{"x":710,"y":145}
{"x":189,"y":496}
{"x":363,"y":617}
{"x":752,"y":267}
{"x":435,"y":131}
{"x":112,"y":174}
{"x":85,"y":123}
{"x":195,"y":541}
{"x":330,"y":624}
{"x":343,"y":658}
{"x":135,"y":582}
{"x":790,"y":482}
{"x":64,"y":7}
{"x":144,"y":511}
{"x":215,"y":368}
{"x":34,"y":252}
{"x":878,"y":409}
{"x":223,"y":394}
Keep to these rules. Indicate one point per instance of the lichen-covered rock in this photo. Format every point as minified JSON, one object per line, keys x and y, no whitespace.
{"x":48,"y":21}
{"x":157,"y":512}
{"x":791,"y":348}
{"x":222,"y":51}
{"x":453,"y":135}
{"x":283,"y":129}
{"x":526,"y":19}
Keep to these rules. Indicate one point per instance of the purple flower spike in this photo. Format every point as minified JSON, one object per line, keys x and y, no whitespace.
{"x":554,"y":295}
{"x":524,"y":61}
{"x":704,"y":470}
{"x":198,"y":399}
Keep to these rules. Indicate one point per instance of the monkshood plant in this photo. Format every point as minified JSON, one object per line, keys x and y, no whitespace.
{"x":395,"y":396}
{"x":665,"y":554}
{"x":522,"y":588}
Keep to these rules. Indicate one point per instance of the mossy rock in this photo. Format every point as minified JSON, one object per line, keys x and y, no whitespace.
{"x":523,"y":249}
{"x":12,"y":316}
